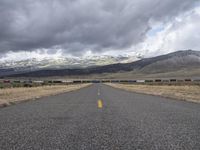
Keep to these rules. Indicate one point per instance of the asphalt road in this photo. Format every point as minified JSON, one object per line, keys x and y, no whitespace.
{"x":101,"y":117}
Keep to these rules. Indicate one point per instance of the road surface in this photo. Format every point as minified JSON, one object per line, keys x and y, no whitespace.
{"x":101,"y":117}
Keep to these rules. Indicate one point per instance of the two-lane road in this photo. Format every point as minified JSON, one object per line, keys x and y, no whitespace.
{"x":101,"y":117}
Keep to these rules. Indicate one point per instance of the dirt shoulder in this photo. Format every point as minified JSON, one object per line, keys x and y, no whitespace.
{"x":11,"y":96}
{"x":184,"y":92}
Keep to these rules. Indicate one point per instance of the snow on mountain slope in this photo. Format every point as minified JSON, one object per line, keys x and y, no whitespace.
{"x":65,"y":62}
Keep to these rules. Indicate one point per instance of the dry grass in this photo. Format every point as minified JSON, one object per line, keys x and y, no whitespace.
{"x":184,"y":92}
{"x":14,"y":95}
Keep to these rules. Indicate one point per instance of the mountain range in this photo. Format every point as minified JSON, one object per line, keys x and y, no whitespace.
{"x":8,"y":67}
{"x":66,"y":62}
{"x":171,"y":62}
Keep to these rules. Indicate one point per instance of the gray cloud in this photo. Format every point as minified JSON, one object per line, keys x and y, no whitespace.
{"x":78,"y":25}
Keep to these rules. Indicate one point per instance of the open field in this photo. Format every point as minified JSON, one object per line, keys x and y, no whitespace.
{"x":15,"y":95}
{"x":181,"y":92}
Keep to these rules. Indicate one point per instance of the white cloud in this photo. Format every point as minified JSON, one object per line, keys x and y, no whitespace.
{"x":118,"y":27}
{"x":180,"y":34}
{"x":38,"y":55}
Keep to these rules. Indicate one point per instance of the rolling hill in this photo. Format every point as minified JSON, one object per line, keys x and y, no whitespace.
{"x":172,"y":62}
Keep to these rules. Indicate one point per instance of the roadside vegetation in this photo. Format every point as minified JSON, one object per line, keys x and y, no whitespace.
{"x":17,"y":84}
{"x":187,"y":92}
{"x":10,"y":96}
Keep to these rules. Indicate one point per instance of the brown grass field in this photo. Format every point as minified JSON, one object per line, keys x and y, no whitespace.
{"x":15,"y":95}
{"x":183,"y":92}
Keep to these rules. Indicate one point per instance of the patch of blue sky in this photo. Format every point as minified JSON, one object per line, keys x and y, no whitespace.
{"x":155,"y":30}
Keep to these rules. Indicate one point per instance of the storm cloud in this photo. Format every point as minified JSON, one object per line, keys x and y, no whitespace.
{"x":75,"y":26}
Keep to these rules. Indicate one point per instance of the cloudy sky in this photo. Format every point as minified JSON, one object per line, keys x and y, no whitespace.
{"x":42,"y":28}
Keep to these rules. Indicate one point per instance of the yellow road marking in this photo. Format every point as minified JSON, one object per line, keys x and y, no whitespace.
{"x":100,"y":104}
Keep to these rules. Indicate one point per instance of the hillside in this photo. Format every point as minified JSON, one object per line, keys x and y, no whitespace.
{"x":172,"y":62}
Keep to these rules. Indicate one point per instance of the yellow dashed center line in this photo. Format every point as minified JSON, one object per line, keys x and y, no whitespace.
{"x":100,"y":104}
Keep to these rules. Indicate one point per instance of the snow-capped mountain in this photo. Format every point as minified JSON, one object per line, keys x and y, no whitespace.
{"x":172,"y":62}
{"x":65,"y":62}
